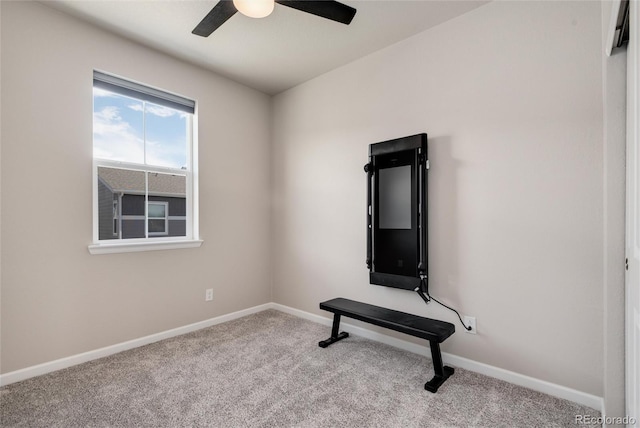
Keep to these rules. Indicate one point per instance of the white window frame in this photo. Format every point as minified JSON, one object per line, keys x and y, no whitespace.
{"x":191,"y":240}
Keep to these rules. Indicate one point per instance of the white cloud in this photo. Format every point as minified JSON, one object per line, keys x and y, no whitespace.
{"x":161,"y":111}
{"x":98,"y":92}
{"x":157,"y":110}
{"x":114,"y":138}
{"x":166,"y":154}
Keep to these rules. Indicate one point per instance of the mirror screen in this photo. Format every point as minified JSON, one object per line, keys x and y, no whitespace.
{"x":394,"y":194}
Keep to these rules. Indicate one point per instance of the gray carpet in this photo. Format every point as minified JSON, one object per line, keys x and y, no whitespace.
{"x":266,"y":370}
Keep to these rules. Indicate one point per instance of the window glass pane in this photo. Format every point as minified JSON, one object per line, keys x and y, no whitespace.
{"x":156,"y":226}
{"x":115,"y":216}
{"x":166,"y":136}
{"x":127,"y":186}
{"x":118,"y":124}
{"x":156,"y":210}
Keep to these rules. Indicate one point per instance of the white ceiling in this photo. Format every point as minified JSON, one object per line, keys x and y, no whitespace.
{"x":270,"y":54}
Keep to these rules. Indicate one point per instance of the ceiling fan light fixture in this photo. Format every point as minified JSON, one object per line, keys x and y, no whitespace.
{"x":254,"y":8}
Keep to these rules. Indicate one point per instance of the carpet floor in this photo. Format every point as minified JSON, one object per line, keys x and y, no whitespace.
{"x":266,"y":370}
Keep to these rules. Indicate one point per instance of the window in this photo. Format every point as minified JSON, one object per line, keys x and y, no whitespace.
{"x":157,"y":218}
{"x":143,"y":159}
{"x":115,"y":218}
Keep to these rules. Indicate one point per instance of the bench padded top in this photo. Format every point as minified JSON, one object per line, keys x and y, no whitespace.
{"x":425,"y":328}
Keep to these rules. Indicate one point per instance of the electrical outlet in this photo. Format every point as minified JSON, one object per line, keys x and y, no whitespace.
{"x":208,"y":296}
{"x":470,"y":322}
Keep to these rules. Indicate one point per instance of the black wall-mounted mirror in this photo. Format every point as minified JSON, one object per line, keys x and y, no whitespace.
{"x":397,"y":212}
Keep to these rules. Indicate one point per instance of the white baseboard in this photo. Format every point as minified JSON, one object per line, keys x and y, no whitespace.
{"x":549,"y":388}
{"x":485,"y":369}
{"x":62,"y":363}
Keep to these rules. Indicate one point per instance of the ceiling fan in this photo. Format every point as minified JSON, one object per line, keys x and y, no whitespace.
{"x":225,"y":9}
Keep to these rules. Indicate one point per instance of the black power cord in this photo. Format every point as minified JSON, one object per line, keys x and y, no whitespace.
{"x":424,"y":289}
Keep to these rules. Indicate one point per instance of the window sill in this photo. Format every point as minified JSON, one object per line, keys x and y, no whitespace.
{"x":130,"y":247}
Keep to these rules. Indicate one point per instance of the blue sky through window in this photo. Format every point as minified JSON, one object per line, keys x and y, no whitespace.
{"x":129,"y":130}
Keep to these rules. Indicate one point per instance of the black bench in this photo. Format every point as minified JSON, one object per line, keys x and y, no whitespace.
{"x":432,"y":330}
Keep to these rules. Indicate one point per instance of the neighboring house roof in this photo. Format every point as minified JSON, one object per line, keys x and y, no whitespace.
{"x":133,"y":182}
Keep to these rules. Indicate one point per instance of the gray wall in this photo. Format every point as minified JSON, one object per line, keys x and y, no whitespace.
{"x":511,"y":97}
{"x":57,"y":299}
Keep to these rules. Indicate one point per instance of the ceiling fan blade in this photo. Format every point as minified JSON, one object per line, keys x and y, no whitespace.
{"x":329,"y":9}
{"x":215,"y":18}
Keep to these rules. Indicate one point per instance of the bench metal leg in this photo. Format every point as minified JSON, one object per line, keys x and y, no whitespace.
{"x":442,"y":373}
{"x":335,"y":336}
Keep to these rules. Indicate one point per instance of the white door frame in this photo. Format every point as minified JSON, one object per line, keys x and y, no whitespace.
{"x":632,"y":277}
